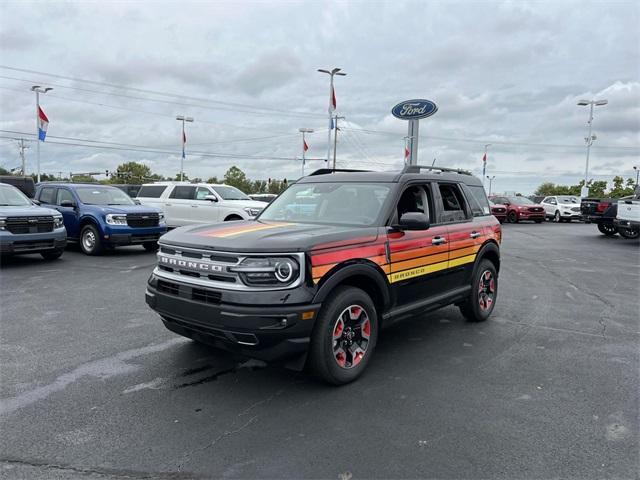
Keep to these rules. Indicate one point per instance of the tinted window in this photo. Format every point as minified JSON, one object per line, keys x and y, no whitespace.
{"x":151,"y":191}
{"x":183,"y":193}
{"x":416,"y":198}
{"x":47,"y":195}
{"x":453,"y":203}
{"x":64,"y":194}
{"x":478,"y":201}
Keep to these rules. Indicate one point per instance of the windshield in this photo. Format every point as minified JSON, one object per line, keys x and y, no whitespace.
{"x":520,"y":201}
{"x":329,"y":203}
{"x":230,"y":193}
{"x":103,"y":196}
{"x":568,"y":200}
{"x":12,"y":197}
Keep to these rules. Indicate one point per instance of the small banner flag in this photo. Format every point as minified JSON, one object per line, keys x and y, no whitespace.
{"x":304,"y":145}
{"x":43,"y":124}
{"x":333,"y":99}
{"x":331,"y":123}
{"x":484,"y":158}
{"x":184,"y":142}
{"x":406,"y":153}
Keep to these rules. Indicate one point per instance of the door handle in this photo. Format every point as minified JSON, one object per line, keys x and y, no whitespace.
{"x":474,"y":234}
{"x":194,"y":206}
{"x":438,"y":240}
{"x":167,"y":204}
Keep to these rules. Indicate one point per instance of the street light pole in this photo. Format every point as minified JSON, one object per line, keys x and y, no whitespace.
{"x":303,"y":131}
{"x":183,"y":119}
{"x":38,"y":89}
{"x":335,"y":140}
{"x":335,"y":71}
{"x":491,"y":179}
{"x":589,"y":138}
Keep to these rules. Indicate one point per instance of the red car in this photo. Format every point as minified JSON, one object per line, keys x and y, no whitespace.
{"x":498,"y":210}
{"x":520,"y":208}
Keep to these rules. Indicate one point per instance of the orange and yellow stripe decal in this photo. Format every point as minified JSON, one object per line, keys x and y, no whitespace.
{"x":240,"y":230}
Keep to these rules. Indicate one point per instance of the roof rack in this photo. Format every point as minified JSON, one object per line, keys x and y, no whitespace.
{"x":325,"y":171}
{"x":417,"y":168}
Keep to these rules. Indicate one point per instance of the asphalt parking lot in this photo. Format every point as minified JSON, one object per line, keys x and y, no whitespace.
{"x":93,"y":386}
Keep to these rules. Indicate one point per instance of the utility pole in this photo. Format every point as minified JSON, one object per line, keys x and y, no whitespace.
{"x":589,"y":138}
{"x":335,"y":140}
{"x":23,"y":147}
{"x":38,"y":89}
{"x":332,"y":104}
{"x":183,"y":119}
{"x":304,"y":145}
{"x":491,"y":179}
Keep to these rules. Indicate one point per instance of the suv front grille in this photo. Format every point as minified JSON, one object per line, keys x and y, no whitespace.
{"x":29,"y":224}
{"x":141,"y":220}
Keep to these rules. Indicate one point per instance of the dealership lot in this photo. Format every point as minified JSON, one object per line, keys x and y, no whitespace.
{"x":93,"y":386}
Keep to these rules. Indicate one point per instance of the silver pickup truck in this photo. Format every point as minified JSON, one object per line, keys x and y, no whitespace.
{"x":28,"y":228}
{"x":627,"y":220}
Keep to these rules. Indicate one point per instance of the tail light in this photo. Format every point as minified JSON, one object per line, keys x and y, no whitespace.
{"x":602,"y":206}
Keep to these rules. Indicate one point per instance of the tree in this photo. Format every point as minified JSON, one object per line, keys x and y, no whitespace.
{"x":619,"y":188}
{"x":237,"y":178}
{"x":259,"y":186}
{"x":131,"y":172}
{"x":546,"y":189}
{"x":185,"y":177}
{"x":213,"y":180}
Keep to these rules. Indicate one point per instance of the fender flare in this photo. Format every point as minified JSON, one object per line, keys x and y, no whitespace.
{"x":344,"y":272}
{"x":489,"y":249}
{"x":86,"y":219}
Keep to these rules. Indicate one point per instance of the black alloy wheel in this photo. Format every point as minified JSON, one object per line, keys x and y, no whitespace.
{"x":608,"y":229}
{"x":513,"y":216}
{"x":484,"y":292}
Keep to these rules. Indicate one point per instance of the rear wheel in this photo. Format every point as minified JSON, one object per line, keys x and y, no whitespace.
{"x":630,"y":233}
{"x":52,"y":254}
{"x":150,"y":246}
{"x":513,"y":217}
{"x":344,"y":336}
{"x":607,"y":229}
{"x":90,"y":242}
{"x":484,"y":291}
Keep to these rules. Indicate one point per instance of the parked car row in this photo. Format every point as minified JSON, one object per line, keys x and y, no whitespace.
{"x":614,"y":216}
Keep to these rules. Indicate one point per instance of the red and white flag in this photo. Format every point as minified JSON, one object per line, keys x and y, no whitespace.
{"x":304,"y":145}
{"x":333,"y":104}
{"x":43,"y":124}
{"x":484,"y":158}
{"x":406,"y":153}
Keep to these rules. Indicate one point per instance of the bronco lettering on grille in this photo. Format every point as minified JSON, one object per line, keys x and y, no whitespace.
{"x":207,"y":267}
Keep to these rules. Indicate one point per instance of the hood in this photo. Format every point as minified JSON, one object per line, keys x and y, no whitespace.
{"x":28,"y":211}
{"x":105,"y":209}
{"x":245,"y":203}
{"x":258,"y":236}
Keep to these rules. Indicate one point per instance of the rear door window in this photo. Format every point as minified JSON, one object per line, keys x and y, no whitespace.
{"x":454,"y":207}
{"x":151,"y":191}
{"x":183,"y":192}
{"x":47,"y":195}
{"x":477,"y":200}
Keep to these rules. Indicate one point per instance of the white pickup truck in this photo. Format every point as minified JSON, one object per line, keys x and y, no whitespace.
{"x":627,"y":219}
{"x":186,"y":203}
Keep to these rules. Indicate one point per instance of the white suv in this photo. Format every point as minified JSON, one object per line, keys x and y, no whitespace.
{"x":186,"y":203}
{"x":562,"y":208}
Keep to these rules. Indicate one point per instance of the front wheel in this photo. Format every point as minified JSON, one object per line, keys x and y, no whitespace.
{"x":629,"y":233}
{"x":150,"y":246}
{"x":607,"y":229}
{"x":52,"y":254}
{"x":513,"y":217}
{"x":344,"y":336}
{"x":90,"y":242}
{"x":484,"y":292}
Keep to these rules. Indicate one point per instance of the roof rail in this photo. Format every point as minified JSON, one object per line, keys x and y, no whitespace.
{"x":325,"y":171}
{"x":417,"y":168}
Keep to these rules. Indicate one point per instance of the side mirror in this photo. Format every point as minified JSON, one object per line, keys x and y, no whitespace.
{"x":413,"y":221}
{"x":211,"y":198}
{"x":35,"y":202}
{"x":136,"y":201}
{"x":68,"y":203}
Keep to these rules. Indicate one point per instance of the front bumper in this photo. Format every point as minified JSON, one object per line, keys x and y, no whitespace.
{"x":124,"y":235}
{"x":265,"y":332}
{"x":531,"y":215}
{"x":11,"y":243}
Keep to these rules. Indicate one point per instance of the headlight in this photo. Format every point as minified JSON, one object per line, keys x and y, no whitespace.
{"x":58,"y":222}
{"x":116,"y":219}
{"x":253,"y":211}
{"x":258,"y":271}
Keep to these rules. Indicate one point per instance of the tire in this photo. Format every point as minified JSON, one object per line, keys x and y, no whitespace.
{"x":90,"y":242}
{"x":53,"y":254}
{"x":607,"y":229}
{"x":556,"y":217}
{"x":232,"y":218}
{"x":150,"y":246}
{"x":345,"y":318}
{"x":629,"y":233}
{"x":512,"y":217}
{"x":484,"y":293}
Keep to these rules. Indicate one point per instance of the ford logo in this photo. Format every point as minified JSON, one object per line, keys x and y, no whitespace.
{"x":414,"y":109}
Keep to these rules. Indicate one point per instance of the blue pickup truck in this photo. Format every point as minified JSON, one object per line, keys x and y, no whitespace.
{"x":27,"y":228}
{"x":102,"y":217}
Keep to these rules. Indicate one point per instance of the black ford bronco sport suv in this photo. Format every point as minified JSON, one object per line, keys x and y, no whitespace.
{"x":328,"y":263}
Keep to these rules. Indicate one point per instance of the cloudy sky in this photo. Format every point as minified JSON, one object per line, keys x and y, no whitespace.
{"x":504,"y":73}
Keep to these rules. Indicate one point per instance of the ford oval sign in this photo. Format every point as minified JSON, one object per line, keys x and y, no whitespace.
{"x":414,"y":109}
